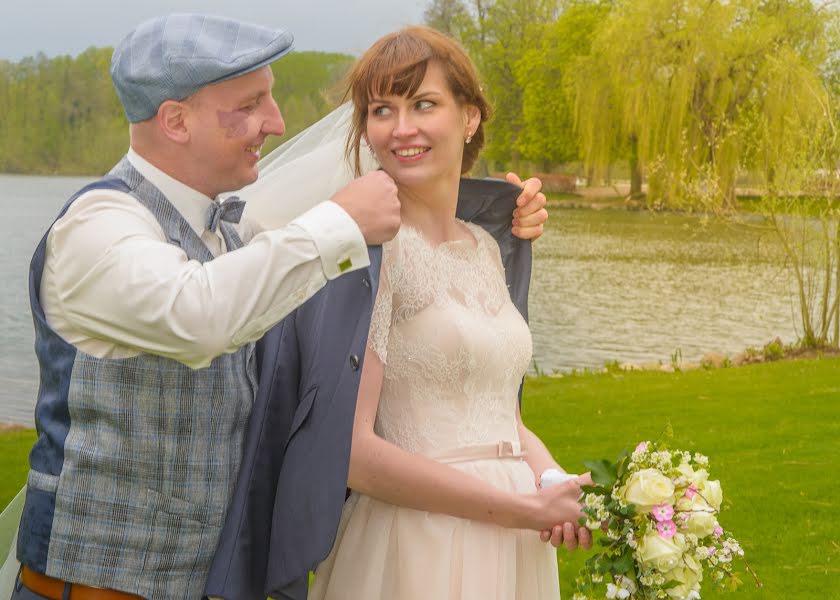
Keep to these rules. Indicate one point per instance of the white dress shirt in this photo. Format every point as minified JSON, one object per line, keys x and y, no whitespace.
{"x":114,"y":287}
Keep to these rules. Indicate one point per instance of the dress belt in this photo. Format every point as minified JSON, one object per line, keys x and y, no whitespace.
{"x":52,"y":588}
{"x":503,"y":449}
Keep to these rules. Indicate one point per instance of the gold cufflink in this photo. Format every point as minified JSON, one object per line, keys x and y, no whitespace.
{"x":345,"y":264}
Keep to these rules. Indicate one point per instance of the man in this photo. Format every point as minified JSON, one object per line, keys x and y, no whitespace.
{"x":146,"y":304}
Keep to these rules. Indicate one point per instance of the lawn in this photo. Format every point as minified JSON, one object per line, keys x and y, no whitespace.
{"x":770,"y":430}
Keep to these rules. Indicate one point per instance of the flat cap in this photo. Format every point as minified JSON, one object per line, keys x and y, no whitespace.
{"x":172,"y":57}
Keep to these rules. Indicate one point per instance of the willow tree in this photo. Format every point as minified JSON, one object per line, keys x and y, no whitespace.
{"x":682,"y":88}
{"x":798,"y":144}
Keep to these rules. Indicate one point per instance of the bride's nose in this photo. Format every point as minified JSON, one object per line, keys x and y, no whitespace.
{"x":404,"y":126}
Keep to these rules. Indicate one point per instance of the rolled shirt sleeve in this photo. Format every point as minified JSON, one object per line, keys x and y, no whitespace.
{"x":114,"y":287}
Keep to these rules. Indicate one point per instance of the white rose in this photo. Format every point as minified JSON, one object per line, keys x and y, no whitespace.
{"x":699,"y":478}
{"x":646,"y":489}
{"x":712,"y":493}
{"x":661,"y":554}
{"x":694,"y":564}
{"x":688,"y":580}
{"x":702,"y":519}
{"x":686,"y":470}
{"x":691,"y":476}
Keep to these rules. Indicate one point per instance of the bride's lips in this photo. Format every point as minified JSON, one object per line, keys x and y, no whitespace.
{"x":410,"y":153}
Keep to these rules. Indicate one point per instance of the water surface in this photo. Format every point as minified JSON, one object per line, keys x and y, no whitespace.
{"x":632,"y":287}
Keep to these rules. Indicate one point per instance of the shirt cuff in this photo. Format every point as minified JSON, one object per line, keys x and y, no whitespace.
{"x":339,"y":240}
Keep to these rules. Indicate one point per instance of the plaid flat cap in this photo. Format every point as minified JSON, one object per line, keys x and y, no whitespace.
{"x":172,"y":57}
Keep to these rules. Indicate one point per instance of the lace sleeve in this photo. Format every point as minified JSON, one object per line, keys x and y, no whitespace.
{"x":383,"y":308}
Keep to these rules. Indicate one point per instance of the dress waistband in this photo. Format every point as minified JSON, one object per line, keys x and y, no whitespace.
{"x":503,"y":449}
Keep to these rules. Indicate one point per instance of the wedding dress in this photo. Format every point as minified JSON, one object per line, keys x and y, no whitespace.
{"x":454,"y":349}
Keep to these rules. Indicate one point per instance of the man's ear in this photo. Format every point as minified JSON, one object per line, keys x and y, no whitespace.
{"x":172,"y":121}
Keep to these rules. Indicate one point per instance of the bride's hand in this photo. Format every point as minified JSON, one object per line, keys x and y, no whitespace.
{"x":569,"y":534}
{"x":558,"y":504}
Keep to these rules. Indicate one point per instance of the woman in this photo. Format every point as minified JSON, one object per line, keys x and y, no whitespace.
{"x":445,"y":502}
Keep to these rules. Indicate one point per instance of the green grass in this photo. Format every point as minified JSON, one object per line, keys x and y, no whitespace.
{"x":771,"y":432}
{"x":14,"y":463}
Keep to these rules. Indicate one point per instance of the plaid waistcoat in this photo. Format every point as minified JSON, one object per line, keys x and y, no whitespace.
{"x":136,"y":458}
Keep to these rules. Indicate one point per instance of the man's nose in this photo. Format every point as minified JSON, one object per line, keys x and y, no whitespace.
{"x":274,"y":124}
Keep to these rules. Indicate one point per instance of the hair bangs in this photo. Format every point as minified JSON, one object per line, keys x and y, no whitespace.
{"x":399,"y":69}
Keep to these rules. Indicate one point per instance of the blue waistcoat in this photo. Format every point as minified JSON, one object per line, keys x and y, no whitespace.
{"x":288,"y":499}
{"x":136,"y":458}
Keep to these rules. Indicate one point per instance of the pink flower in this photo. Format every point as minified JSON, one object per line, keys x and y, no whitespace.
{"x":642,"y":447}
{"x":663,"y":512}
{"x":712,"y":550}
{"x":691,"y":491}
{"x":666,"y":529}
{"x":718,"y":531}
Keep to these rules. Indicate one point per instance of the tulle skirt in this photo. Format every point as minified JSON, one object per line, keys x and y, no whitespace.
{"x":385,"y":552}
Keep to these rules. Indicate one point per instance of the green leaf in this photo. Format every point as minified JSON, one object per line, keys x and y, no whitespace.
{"x":624,"y":563}
{"x":622,"y":464}
{"x":603,"y":473}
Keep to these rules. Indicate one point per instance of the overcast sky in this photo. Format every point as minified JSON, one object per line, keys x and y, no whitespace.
{"x":57,"y":27}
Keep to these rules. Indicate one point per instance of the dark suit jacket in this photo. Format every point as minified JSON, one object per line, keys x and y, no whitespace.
{"x":287,"y":503}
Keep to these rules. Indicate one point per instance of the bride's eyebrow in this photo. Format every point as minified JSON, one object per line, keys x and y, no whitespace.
{"x":421,"y":94}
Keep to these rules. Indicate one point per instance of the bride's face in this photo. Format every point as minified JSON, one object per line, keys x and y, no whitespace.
{"x":420,"y":138}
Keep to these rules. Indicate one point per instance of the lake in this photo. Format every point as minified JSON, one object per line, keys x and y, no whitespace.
{"x":607,"y":285}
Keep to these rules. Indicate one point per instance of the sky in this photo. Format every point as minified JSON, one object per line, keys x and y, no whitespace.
{"x":57,"y":27}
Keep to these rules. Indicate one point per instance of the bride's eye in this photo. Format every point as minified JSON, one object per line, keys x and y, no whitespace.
{"x":380,"y":111}
{"x":424,"y":104}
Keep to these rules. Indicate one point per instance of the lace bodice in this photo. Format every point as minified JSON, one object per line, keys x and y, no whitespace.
{"x":454,"y":346}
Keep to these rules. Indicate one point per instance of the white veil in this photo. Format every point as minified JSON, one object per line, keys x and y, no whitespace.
{"x":306,"y":170}
{"x":9,"y":521}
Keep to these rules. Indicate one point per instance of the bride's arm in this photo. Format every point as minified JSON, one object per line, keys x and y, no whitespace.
{"x":539,"y":459}
{"x":537,"y":455}
{"x":384,"y":471}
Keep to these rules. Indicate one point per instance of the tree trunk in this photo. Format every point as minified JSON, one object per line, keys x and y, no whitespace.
{"x":635,"y":169}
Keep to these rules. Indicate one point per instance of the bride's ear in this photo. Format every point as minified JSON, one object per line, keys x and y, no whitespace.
{"x":473,"y":119}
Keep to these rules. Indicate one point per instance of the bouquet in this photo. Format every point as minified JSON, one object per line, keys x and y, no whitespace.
{"x":659,"y":509}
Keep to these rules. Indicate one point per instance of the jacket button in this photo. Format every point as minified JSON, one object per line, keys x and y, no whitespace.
{"x":354,"y":362}
{"x":366,"y":282}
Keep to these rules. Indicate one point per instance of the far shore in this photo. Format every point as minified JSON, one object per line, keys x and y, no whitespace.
{"x":9,"y":427}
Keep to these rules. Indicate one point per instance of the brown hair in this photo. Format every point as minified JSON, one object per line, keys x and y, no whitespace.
{"x":396,"y":65}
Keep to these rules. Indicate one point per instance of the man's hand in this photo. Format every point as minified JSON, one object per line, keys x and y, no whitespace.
{"x":371,"y":201}
{"x":530,"y":214}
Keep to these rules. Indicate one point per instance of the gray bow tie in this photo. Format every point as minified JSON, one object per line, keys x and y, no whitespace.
{"x":230,"y":210}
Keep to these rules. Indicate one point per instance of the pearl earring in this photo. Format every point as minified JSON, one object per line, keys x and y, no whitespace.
{"x":469,"y":138}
